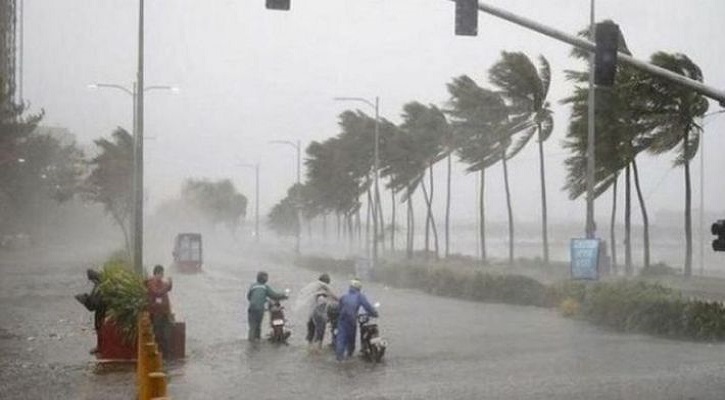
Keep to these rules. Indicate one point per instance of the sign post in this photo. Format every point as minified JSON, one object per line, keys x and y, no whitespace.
{"x":585,"y":259}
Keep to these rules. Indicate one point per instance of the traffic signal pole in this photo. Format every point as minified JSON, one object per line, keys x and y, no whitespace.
{"x":584,"y":44}
{"x":591,"y":162}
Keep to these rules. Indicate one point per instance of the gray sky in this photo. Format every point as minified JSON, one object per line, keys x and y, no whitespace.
{"x":248,"y":75}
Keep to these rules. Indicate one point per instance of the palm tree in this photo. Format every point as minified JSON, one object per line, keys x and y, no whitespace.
{"x":621,"y":136}
{"x":673,"y":112}
{"x":469,"y":115}
{"x":428,"y":127}
{"x":404,"y":169}
{"x":526,"y":88}
{"x":485,"y":128}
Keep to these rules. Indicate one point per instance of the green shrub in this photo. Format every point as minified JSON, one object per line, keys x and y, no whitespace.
{"x":124,"y":293}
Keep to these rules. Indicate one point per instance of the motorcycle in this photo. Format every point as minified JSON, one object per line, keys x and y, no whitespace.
{"x":279,"y":333}
{"x":372,"y":345}
{"x":333,"y":314}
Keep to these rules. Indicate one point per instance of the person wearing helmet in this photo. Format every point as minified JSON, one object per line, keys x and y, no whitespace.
{"x":350,"y":304}
{"x":257,"y":295}
{"x":317,"y":321}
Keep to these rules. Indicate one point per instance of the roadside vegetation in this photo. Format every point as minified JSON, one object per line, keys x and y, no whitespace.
{"x":624,"y":305}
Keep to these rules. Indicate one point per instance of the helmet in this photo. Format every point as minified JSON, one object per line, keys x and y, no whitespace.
{"x":356,"y":283}
{"x":262,"y":277}
{"x":324,"y":278}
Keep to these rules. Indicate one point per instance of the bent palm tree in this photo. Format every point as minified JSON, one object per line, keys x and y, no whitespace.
{"x":526,"y":88}
{"x":673,"y":114}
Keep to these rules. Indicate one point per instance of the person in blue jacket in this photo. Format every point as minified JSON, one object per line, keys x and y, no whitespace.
{"x":350,"y":304}
{"x":257,"y":296}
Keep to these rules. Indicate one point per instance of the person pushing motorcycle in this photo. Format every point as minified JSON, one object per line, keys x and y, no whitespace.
{"x":257,"y":296}
{"x":350,"y":304}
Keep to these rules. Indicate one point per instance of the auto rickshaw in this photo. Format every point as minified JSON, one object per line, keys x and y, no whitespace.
{"x":188,"y":252}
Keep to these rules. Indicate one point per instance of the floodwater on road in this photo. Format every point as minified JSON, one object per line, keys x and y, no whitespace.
{"x":439,"y":348}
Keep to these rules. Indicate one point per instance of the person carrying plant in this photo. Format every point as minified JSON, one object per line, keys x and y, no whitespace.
{"x":257,"y":296}
{"x":160,"y":308}
{"x":350,"y":304}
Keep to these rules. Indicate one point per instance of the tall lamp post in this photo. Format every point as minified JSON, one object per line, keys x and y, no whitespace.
{"x":590,"y":229}
{"x":297,"y":146}
{"x":137,"y":132}
{"x":256,"y":197}
{"x":376,"y":106}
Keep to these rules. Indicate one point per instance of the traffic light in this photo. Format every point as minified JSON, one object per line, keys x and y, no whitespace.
{"x":605,"y":58}
{"x":278,"y":4}
{"x":718,"y":228}
{"x":466,"y":17}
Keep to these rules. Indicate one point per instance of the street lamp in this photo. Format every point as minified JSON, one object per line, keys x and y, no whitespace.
{"x":376,"y":156}
{"x":256,"y":197}
{"x":296,"y":146}
{"x":591,"y":162}
{"x":137,"y":96}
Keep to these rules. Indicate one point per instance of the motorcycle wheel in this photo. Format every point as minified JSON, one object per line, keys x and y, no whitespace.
{"x":376,"y":353}
{"x":277,"y":334}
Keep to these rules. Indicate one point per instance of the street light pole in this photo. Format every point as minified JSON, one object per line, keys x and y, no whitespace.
{"x":376,"y":163}
{"x":138,"y":152}
{"x":256,"y":197}
{"x":298,"y":146}
{"x":590,"y":134}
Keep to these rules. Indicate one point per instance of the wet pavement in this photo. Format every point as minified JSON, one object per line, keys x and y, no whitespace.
{"x":439,"y":348}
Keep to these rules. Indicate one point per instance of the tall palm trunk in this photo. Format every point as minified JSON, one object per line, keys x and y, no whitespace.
{"x":430,"y":221}
{"x":426,"y":246}
{"x":324,"y":227}
{"x":381,"y":222}
{"x":410,"y":225}
{"x":392,"y":221}
{"x":544,"y":213}
{"x":612,"y":227}
{"x":358,"y":228}
{"x":337,"y":217}
{"x":482,"y":214}
{"x":367,"y":224}
{"x":645,"y":218}
{"x":448,"y":206}
{"x":430,"y":211}
{"x":688,"y":206}
{"x":627,"y":223}
{"x":509,"y":209}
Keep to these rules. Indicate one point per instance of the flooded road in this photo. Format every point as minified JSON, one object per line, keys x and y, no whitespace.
{"x":439,"y":348}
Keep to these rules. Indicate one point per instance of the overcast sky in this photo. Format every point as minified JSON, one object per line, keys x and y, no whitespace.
{"x":248,"y":75}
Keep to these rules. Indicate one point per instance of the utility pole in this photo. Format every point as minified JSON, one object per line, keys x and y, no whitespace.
{"x":591,"y":163}
{"x":138,"y":151}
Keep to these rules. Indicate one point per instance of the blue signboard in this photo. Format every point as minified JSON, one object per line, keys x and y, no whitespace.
{"x":585,"y":259}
